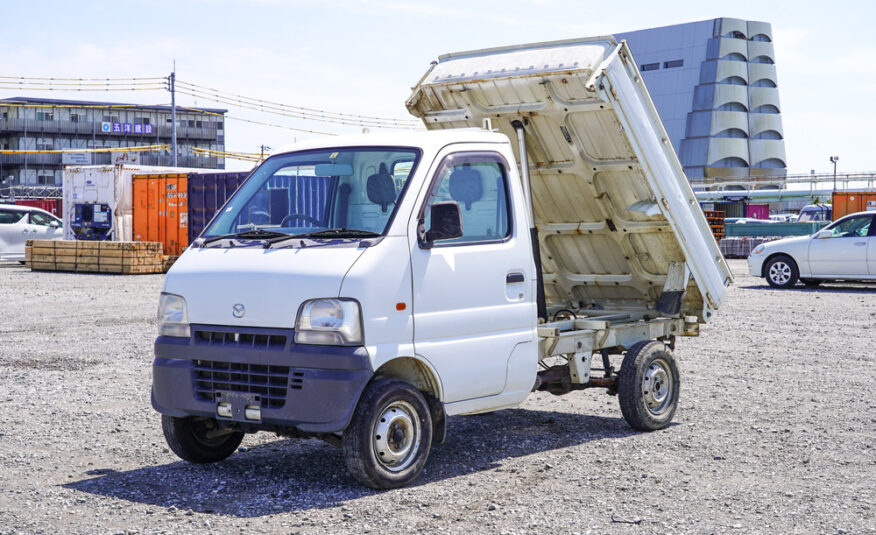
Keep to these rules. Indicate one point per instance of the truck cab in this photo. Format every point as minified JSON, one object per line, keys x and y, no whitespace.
{"x":363,"y":289}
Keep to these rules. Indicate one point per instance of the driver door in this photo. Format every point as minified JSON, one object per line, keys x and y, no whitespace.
{"x":844,"y":253}
{"x":472,"y":295}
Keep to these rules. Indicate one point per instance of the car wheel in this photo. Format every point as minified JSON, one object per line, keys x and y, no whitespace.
{"x":781,"y":272}
{"x":648,"y":386}
{"x":388,"y":440}
{"x":199,"y":440}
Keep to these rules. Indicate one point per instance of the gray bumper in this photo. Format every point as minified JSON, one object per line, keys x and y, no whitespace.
{"x":312,"y":388}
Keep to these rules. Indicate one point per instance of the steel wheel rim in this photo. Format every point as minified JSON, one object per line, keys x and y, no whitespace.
{"x":658,"y":387}
{"x":396,"y":436}
{"x":780,"y":273}
{"x":200,"y":428}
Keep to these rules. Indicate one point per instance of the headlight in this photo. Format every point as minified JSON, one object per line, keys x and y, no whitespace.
{"x":173,"y":318}
{"x":332,"y":322}
{"x":758,"y":249}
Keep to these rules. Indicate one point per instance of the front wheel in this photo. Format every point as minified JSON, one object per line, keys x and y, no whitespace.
{"x":781,"y":272}
{"x":388,"y":440}
{"x":199,"y":440}
{"x":648,"y":386}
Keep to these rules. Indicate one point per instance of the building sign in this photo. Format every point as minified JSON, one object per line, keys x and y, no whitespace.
{"x":75,"y":158}
{"x":126,"y":128}
{"x":125,"y":157}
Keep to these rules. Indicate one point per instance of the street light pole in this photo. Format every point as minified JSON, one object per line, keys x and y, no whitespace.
{"x":833,"y":160}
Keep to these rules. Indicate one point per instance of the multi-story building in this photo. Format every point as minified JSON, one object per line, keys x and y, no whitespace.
{"x":47,"y":124}
{"x":714,"y":84}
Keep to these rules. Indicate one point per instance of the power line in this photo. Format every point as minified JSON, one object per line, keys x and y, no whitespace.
{"x":291,"y":111}
{"x":261,"y":123}
{"x":79,"y":79}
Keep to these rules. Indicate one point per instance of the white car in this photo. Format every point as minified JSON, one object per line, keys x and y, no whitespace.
{"x":844,"y":250}
{"x":21,"y":223}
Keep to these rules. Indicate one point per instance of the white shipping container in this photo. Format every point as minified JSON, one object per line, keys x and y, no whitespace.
{"x":107,"y":184}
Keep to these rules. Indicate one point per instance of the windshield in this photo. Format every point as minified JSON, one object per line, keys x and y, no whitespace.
{"x":301,"y":193}
{"x":814,"y":213}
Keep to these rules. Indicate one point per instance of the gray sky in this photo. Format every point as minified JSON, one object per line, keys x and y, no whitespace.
{"x":363,"y":57}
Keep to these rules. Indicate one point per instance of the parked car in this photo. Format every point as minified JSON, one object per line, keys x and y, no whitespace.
{"x":744,"y":220}
{"x":844,"y":250}
{"x":815,"y":212}
{"x":21,"y":223}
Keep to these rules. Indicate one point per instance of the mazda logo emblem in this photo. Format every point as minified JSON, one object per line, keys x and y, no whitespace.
{"x":238,"y":310}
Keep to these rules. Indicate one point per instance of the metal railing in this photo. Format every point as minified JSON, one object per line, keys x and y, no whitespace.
{"x":35,"y":127}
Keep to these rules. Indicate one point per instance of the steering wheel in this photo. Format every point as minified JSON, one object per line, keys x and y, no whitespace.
{"x":305,"y":217}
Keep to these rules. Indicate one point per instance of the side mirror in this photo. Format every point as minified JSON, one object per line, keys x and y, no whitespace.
{"x":446,"y":224}
{"x":821,"y":234}
{"x":54,"y":224}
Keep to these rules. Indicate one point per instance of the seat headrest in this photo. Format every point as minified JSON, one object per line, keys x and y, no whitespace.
{"x":466,"y":186}
{"x":380,"y":188}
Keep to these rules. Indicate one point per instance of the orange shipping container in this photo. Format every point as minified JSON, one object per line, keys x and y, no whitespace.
{"x":161,"y":211}
{"x":849,"y":202}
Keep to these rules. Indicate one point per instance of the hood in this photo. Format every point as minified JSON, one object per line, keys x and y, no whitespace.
{"x":270,"y":283}
{"x":786,"y":241}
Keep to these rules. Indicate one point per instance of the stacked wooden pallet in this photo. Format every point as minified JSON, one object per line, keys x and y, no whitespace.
{"x":96,"y":256}
{"x":716,"y":222}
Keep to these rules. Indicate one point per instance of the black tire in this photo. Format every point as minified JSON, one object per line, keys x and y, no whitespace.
{"x":781,"y":272}
{"x":812,"y":283}
{"x":388,"y":440}
{"x":648,"y":386}
{"x":187,"y":438}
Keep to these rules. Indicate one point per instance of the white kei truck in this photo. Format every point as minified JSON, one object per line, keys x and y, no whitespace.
{"x":541,"y":236}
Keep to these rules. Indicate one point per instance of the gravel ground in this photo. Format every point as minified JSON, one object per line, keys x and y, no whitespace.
{"x":774,"y":434}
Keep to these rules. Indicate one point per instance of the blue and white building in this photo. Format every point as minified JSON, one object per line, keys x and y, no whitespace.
{"x":714,"y":84}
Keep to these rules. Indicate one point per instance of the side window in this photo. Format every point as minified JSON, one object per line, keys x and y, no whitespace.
{"x":478,"y":182}
{"x":37,"y":218}
{"x":852,"y":228}
{"x":9,"y":217}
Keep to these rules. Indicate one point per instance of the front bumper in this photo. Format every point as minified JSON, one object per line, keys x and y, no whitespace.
{"x":755,"y":264}
{"x":312,"y":388}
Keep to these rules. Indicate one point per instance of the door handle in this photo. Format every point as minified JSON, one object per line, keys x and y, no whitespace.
{"x":514,"y":277}
{"x":859,"y":243}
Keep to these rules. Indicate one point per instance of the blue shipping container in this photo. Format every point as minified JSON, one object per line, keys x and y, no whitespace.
{"x":207,"y":193}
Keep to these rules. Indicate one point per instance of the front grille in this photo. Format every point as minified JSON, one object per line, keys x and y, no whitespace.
{"x":252,"y":340}
{"x":269,"y":382}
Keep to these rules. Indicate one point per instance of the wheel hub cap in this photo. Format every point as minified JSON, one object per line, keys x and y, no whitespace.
{"x":396,"y":436}
{"x":657,"y":387}
{"x":780,"y":273}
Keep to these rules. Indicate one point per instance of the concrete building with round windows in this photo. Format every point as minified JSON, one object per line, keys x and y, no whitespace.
{"x":714,"y":84}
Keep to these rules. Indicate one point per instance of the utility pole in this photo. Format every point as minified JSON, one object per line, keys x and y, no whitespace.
{"x":172,"y":79}
{"x":833,"y":160}
{"x":264,"y":148}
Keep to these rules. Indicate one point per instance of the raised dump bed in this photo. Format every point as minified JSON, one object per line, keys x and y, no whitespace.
{"x":125,"y":258}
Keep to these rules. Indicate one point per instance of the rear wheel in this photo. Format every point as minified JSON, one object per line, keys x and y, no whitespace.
{"x":781,"y":272}
{"x":199,"y":440}
{"x":648,"y":386}
{"x":388,"y":440}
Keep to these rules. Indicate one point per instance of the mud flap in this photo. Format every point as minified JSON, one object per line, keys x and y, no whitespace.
{"x":669,"y":302}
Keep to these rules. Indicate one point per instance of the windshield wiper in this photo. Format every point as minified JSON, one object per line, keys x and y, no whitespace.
{"x":327,"y":233}
{"x":254,"y":234}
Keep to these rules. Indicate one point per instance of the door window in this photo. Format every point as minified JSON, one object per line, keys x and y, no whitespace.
{"x":853,"y":227}
{"x":478,"y":182}
{"x":9,"y":217}
{"x":37,"y":218}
